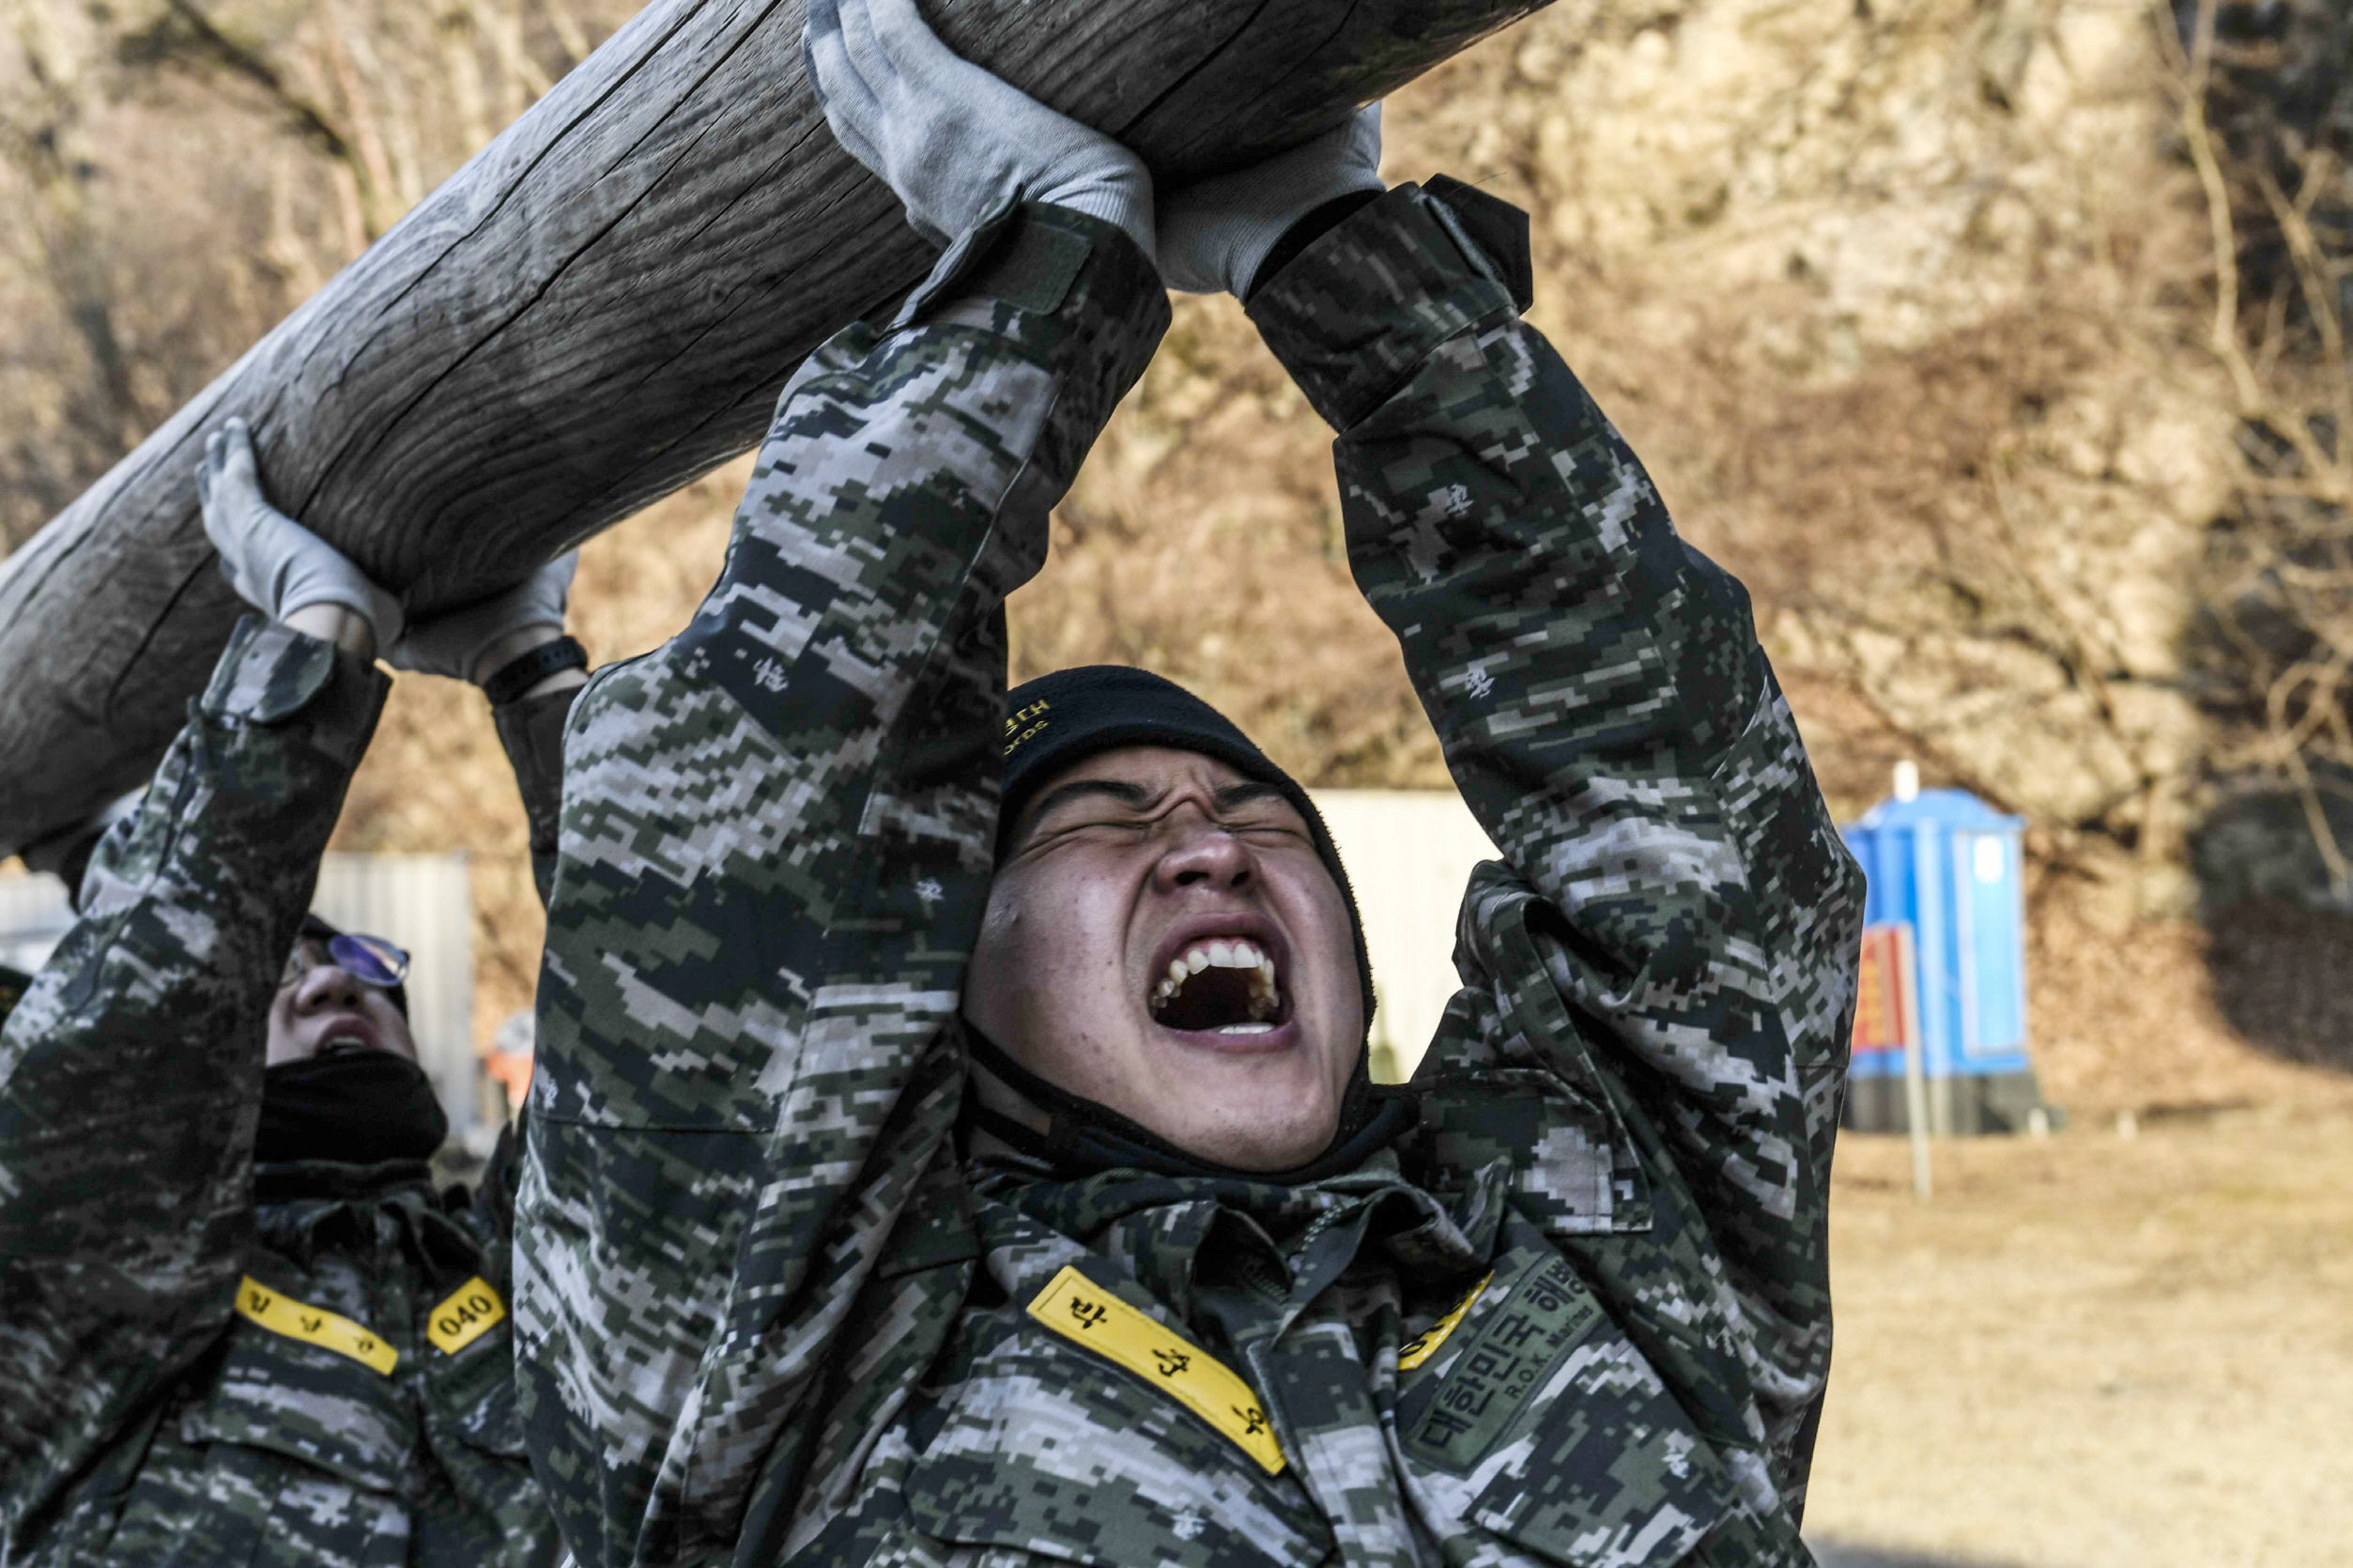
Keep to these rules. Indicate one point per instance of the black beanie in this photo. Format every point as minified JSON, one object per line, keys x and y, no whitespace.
{"x":1061,"y":719}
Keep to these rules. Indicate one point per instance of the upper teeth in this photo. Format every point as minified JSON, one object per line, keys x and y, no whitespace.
{"x":1228,"y":954}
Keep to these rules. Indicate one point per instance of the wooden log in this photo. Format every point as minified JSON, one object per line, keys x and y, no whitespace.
{"x":599,"y":306}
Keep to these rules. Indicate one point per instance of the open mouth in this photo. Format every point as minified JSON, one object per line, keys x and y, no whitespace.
{"x":1220,"y":985}
{"x":341,"y":1041}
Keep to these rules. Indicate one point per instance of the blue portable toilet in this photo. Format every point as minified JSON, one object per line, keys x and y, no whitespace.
{"x":1951,"y":867}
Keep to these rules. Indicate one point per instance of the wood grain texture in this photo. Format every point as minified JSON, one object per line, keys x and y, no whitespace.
{"x":598,"y":307}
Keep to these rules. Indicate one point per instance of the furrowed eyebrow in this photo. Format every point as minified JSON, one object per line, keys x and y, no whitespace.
{"x":1247,"y":793}
{"x":1128,"y":794}
{"x":1135,"y":797}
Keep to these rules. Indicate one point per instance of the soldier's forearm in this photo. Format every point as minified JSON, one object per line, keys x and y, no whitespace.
{"x":776,"y":839}
{"x":531,"y":728}
{"x":1598,"y":685}
{"x":794,"y":736}
{"x":190,"y":906}
{"x":347,"y":629}
{"x":1561,"y":634}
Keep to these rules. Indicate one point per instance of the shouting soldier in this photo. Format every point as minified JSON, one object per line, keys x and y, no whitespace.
{"x":952,"y":1140}
{"x":237,"y":1323}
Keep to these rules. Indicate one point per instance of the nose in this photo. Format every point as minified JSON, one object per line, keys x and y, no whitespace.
{"x":326,"y":986}
{"x":1203,"y":855}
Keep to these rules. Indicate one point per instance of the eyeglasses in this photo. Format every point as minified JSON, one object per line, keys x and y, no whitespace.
{"x":367,"y":958}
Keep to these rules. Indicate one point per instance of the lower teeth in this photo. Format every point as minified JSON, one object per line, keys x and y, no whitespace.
{"x":1247,"y":1029}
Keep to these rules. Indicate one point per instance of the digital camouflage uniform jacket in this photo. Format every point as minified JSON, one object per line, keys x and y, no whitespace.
{"x":202,"y":1362}
{"x":1579,"y":1316}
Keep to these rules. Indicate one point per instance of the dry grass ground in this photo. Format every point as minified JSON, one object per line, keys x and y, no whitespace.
{"x":2091,"y":1351}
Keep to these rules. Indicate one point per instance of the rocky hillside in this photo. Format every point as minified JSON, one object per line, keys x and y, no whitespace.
{"x":1910,"y":305}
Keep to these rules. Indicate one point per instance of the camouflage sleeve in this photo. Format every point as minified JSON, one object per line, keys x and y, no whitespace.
{"x":1605,"y":706}
{"x":130,"y":1075}
{"x":776,"y":838}
{"x":531,"y":728}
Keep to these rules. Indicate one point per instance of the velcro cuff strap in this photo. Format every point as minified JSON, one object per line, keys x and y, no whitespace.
{"x":526,"y":671}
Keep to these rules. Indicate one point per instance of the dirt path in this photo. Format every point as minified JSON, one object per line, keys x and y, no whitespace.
{"x":2091,"y":1351}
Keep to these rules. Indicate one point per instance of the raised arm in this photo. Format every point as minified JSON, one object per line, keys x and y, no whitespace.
{"x":776,"y":840}
{"x":777,"y":829}
{"x":1675,"y":889}
{"x":130,"y":1075}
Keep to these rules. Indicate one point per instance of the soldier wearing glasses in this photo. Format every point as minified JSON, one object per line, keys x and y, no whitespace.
{"x":238,"y":1322}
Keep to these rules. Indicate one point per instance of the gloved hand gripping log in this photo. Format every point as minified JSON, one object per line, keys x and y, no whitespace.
{"x":960,"y":148}
{"x":291,"y":574}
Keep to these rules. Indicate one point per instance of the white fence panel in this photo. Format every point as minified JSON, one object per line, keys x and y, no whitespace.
{"x":33,"y":916}
{"x":1410,"y":854}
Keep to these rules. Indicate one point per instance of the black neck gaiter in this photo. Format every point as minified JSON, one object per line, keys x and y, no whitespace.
{"x":356,"y":1107}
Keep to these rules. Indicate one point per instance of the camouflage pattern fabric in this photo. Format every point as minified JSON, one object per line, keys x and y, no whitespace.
{"x":203,"y":1361}
{"x":776,"y":845}
{"x":1580,"y":1315}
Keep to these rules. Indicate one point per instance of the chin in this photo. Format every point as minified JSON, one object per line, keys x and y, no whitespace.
{"x":1250,"y":1112}
{"x":1289,"y":1157}
{"x":1264,"y":1149}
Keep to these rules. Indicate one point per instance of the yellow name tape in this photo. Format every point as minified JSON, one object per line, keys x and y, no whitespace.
{"x":1426,"y":1344}
{"x":464,"y":1316}
{"x":283,"y":1314}
{"x":1086,"y":1314}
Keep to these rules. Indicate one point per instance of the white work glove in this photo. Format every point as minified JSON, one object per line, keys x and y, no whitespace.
{"x":454,"y":643}
{"x":1214,"y":232}
{"x":276,"y":565}
{"x":956,"y":144}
